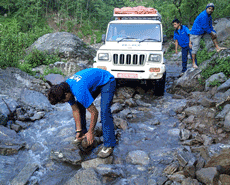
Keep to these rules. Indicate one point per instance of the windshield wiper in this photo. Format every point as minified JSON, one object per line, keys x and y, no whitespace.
{"x":120,"y":39}
{"x":149,"y":39}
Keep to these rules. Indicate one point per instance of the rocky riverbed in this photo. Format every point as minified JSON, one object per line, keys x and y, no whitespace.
{"x":179,"y":138}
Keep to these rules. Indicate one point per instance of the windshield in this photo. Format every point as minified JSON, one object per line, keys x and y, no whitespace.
{"x":134,"y":32}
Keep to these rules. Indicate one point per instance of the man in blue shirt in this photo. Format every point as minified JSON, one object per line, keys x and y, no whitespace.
{"x":181,"y":36}
{"x":203,"y":25}
{"x":80,"y":90}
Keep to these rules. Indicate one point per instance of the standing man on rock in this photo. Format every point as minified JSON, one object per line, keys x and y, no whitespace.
{"x":201,"y":26}
{"x":85,"y":86}
{"x":181,"y":36}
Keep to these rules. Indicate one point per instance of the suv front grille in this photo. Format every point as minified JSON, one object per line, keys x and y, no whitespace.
{"x":128,"y":59}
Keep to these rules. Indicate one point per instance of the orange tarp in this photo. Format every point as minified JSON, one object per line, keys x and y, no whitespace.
{"x":135,"y":10}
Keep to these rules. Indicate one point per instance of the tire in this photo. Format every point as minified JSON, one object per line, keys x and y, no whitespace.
{"x":159,"y":87}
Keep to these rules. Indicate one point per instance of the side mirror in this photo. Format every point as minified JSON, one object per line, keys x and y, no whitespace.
{"x":103,"y":38}
{"x":164,"y":38}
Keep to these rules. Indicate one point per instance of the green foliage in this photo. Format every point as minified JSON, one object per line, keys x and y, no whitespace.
{"x":216,"y":66}
{"x":214,"y":83}
{"x":203,"y":53}
{"x":53,"y":70}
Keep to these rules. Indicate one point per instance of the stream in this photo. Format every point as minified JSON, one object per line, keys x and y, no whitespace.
{"x":56,"y":130}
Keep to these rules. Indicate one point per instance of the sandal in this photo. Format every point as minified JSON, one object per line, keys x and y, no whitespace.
{"x":220,"y":48}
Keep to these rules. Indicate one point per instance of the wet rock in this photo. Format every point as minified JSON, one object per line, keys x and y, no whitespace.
{"x":220,"y":77}
{"x":35,"y":99}
{"x":116,"y":107}
{"x":174,"y":132}
{"x":190,"y":181}
{"x":93,"y":163}
{"x":152,"y":181}
{"x":161,"y":180}
{"x":23,"y":118}
{"x":130,"y":102}
{"x":207,"y":102}
{"x":224,"y":87}
{"x":85,"y":176}
{"x":207,"y":140}
{"x":190,"y":170}
{"x":194,"y":110}
{"x":189,"y":120}
{"x":16,"y":128}
{"x":54,"y":79}
{"x":138,"y":157}
{"x":121,"y":123}
{"x":223,"y":113}
{"x":143,"y":104}
{"x":110,"y":170}
{"x":224,"y":102}
{"x":3,"y":119}
{"x":145,"y":109}
{"x":21,"y":124}
{"x":207,"y":175}
{"x":189,"y":81}
{"x":185,"y":157}
{"x":146,"y":127}
{"x":177,"y":96}
{"x":125,"y":113}
{"x":200,"y":163}
{"x":178,"y":176}
{"x":218,"y":155}
{"x":68,"y":155}
{"x":184,"y":134}
{"x":10,"y":142}
{"x":125,"y":92}
{"x":10,"y":102}
{"x":227,"y":122}
{"x":172,"y":168}
{"x":155,"y":122}
{"x":224,"y":179}
{"x":37,"y":116}
{"x":24,"y":175}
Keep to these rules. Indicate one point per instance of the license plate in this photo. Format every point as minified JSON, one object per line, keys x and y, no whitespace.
{"x":127,"y":75}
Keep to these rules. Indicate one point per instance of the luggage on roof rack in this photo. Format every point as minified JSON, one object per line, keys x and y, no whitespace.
{"x":139,"y":12}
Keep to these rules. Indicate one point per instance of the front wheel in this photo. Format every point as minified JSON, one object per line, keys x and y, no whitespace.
{"x":159,"y":87}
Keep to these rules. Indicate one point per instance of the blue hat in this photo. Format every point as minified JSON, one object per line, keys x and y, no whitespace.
{"x":210,"y":5}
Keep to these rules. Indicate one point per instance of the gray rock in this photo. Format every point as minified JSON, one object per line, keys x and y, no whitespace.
{"x":155,"y":122}
{"x":23,"y":177}
{"x":10,"y":102}
{"x":178,"y":177}
{"x":207,"y":140}
{"x":10,"y":142}
{"x":125,"y":92}
{"x":88,"y":176}
{"x":185,"y":134}
{"x":185,"y":157}
{"x":172,"y":168}
{"x":224,"y":87}
{"x":110,"y":170}
{"x":15,"y":127}
{"x":220,"y":77}
{"x":194,"y":110}
{"x":143,"y":104}
{"x":35,"y":99}
{"x":190,"y":181}
{"x":138,"y":157}
{"x":116,"y":107}
{"x":66,"y":44}
{"x":222,"y":114}
{"x":3,"y":119}
{"x":227,"y":122}
{"x":125,"y":113}
{"x":207,"y":175}
{"x":21,"y":124}
{"x":121,"y":123}
{"x":224,"y":179}
{"x":37,"y":116}
{"x":130,"y":102}
{"x":207,"y":102}
{"x":54,"y":79}
{"x":93,"y":163}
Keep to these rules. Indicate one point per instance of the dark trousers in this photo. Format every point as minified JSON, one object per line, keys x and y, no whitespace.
{"x":107,"y":93}
{"x":185,"y":51}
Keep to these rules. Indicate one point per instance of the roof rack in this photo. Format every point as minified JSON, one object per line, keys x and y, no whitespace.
{"x":136,"y":13}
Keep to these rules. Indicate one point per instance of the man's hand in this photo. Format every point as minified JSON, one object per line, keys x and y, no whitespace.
{"x":90,"y":137}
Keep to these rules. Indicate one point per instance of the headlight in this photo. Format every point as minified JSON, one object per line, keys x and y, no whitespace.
{"x":103,"y":56}
{"x":154,"y":58}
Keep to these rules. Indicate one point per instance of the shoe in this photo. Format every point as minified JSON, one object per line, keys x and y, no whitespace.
{"x":105,"y":152}
{"x":181,"y":74}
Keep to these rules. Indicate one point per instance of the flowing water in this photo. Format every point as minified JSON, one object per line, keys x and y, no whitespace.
{"x":57,"y":129}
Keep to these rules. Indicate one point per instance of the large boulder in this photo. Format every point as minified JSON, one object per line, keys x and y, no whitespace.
{"x":224,"y":87}
{"x":8,"y":101}
{"x":188,"y":82}
{"x":35,"y":99}
{"x":65,"y":44}
{"x":220,"y":77}
{"x":222,"y":29}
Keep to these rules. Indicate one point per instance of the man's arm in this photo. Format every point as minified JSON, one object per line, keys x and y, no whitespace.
{"x":176,"y":45}
{"x":94,"y":115}
{"x":77,"y":116}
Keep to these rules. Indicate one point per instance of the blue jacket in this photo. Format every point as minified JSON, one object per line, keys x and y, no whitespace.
{"x":84,"y":83}
{"x":182,"y":35}
{"x":202,"y":24}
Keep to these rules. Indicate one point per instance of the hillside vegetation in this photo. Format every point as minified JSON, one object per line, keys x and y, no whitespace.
{"x":24,"y":21}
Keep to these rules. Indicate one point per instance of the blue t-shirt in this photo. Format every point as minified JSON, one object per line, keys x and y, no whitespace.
{"x":84,"y":83}
{"x":182,"y":35}
{"x":202,"y":24}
